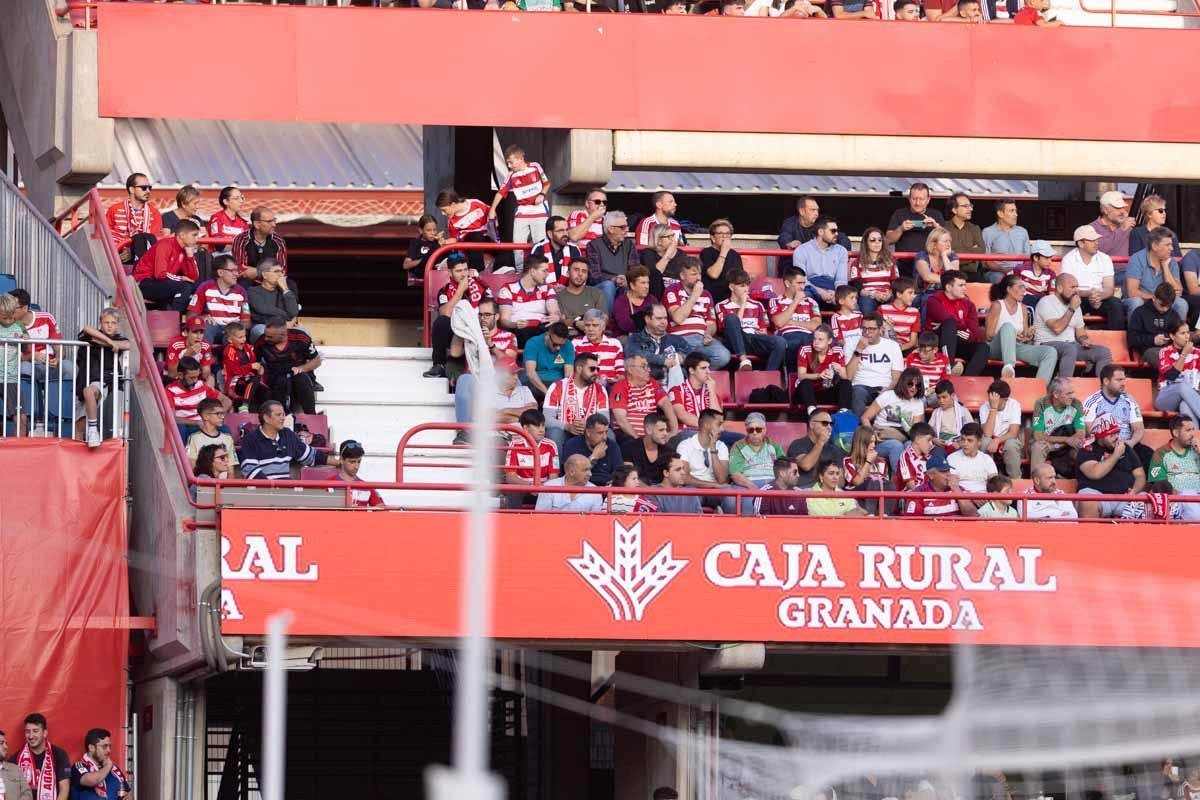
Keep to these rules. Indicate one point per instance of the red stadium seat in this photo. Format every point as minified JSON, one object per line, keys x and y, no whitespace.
{"x":756,"y":266}
{"x":784,"y":433}
{"x":1155,"y":438}
{"x":437,"y":279}
{"x":1027,"y":391}
{"x":759,"y":284}
{"x":1066,"y":484}
{"x":236,"y":421}
{"x":978,"y":295}
{"x":734,"y":426}
{"x":972,"y":391}
{"x":494,"y":281}
{"x":724,"y":388}
{"x":322,"y":473}
{"x":746,"y":382}
{"x":317,"y":424}
{"x":164,"y":327}
{"x":1118,"y":344}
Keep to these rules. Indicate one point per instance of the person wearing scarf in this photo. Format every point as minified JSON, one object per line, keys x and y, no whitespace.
{"x":51,"y":778}
{"x":11,"y":781}
{"x":95,"y":775}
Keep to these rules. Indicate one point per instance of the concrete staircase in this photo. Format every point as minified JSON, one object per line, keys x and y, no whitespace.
{"x":375,"y":395}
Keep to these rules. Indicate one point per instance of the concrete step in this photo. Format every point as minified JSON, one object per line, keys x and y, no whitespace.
{"x":377,"y":353}
{"x":379,"y":427}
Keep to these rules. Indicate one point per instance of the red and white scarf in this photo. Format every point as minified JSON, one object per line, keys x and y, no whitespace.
{"x":46,"y":785}
{"x":100,"y":788}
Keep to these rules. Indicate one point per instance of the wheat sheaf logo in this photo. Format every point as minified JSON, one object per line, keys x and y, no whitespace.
{"x":627,"y":585}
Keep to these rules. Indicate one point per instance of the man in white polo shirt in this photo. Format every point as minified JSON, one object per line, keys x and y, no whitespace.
{"x":875,"y":364}
{"x":1094,"y":271}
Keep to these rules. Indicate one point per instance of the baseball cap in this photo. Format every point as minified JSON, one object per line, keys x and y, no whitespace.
{"x":1085,"y":232}
{"x":507,"y":365}
{"x":1113,"y":199}
{"x":1103,"y":425}
{"x":195,"y":324}
{"x":938,"y":462}
{"x":1040,"y":247}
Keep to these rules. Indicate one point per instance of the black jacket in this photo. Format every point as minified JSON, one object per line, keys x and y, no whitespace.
{"x":1146,"y":322}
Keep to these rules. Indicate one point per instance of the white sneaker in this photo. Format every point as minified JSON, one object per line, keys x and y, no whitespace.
{"x":93,"y":437}
{"x":1008,"y":371}
{"x":745,"y":365}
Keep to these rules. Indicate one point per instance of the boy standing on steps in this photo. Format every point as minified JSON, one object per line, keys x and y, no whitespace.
{"x":530,"y":188}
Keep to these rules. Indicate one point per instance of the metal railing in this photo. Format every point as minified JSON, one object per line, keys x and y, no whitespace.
{"x":46,"y":392}
{"x":43,"y":264}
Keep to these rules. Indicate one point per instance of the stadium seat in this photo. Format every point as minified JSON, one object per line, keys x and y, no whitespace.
{"x":1117,"y":343}
{"x":756,"y":266}
{"x":977,"y":293}
{"x":784,"y":433}
{"x":746,"y":382}
{"x":760,"y":285}
{"x":164,"y":327}
{"x":1066,"y":484}
{"x":734,"y":426}
{"x":972,"y":391}
{"x":318,"y":425}
{"x":322,"y":473}
{"x":240,"y":422}
{"x":494,"y":281}
{"x":1155,"y":438}
{"x":724,"y":388}
{"x":437,"y":279}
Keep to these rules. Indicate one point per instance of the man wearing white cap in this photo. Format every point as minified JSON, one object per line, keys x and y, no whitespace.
{"x":1093,"y":269}
{"x":1114,"y":224}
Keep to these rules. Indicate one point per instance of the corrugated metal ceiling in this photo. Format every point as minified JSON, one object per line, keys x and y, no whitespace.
{"x":755,"y":183}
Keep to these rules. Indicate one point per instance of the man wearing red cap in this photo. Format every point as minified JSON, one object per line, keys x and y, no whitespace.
{"x":192,"y":344}
{"x":1108,"y":466}
{"x":512,"y":397}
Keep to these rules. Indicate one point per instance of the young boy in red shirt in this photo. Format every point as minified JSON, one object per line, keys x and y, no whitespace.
{"x":243,"y":373}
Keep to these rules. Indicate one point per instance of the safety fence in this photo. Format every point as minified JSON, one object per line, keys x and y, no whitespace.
{"x":35,"y":258}
{"x":44,"y":388}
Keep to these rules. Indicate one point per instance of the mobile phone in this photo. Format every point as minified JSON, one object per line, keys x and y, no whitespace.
{"x":918,"y":223}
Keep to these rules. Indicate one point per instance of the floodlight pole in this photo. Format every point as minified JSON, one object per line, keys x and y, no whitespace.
{"x":275,"y":707}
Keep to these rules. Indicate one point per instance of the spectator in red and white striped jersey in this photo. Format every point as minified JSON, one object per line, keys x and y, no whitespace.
{"x":134,"y":222}
{"x":40,"y":325}
{"x":909,"y":469}
{"x":466,"y":221}
{"x":558,"y":249}
{"x":744,"y":324}
{"x":191,"y":344}
{"x":528,"y":305}
{"x":461,"y":286}
{"x":664,"y":214}
{"x":254,"y":247}
{"x":795,"y":315}
{"x":902,"y":319}
{"x":690,"y":307}
{"x":228,"y":222}
{"x":637,"y":396}
{"x":1037,"y":274}
{"x":167,"y":273}
{"x":608,"y":349}
{"x":930,"y":361}
{"x":530,"y":189}
{"x":221,"y":301}
{"x":697,"y":392}
{"x":872,"y":271}
{"x":585,"y":224}
{"x":186,"y":393}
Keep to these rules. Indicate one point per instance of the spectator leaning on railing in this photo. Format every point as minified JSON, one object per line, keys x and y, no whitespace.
{"x":10,"y":377}
{"x":577,"y":473}
{"x":96,"y":369}
{"x":268,"y":452}
{"x":675,"y":476}
{"x":212,"y":419}
{"x":1004,"y":236}
{"x":1041,"y":503}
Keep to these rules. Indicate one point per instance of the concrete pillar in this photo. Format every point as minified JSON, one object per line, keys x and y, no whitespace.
{"x":155,"y":702}
{"x":563,"y":736}
{"x":644,"y":763}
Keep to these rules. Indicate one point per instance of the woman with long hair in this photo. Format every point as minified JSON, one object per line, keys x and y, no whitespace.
{"x":829,"y":479}
{"x":212,"y":461}
{"x":872,"y":270}
{"x":865,"y":470}
{"x":629,"y":309}
{"x":626,"y":477}
{"x":821,"y":373}
{"x":1179,"y":374}
{"x":936,"y":259}
{"x":1009,"y":333}
{"x":895,"y":411}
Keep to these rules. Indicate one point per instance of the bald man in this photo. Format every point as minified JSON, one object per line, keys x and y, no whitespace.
{"x":577,"y":472}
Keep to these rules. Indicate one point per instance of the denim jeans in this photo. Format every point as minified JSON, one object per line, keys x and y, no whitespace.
{"x":609,"y":290}
{"x":718,"y":354}
{"x":1180,"y":306}
{"x":1179,"y":396}
{"x":741,"y":343}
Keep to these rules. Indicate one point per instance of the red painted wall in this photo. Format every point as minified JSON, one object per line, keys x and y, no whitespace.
{"x":649,"y":72}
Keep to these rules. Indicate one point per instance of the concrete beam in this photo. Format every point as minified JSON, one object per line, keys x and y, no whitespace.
{"x":907,"y":155}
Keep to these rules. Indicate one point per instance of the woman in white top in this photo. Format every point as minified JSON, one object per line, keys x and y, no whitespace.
{"x":895,"y":411}
{"x":1010,"y":334}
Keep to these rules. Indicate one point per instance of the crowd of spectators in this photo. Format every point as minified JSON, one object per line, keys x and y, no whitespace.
{"x":40,"y":769}
{"x":620,"y":335}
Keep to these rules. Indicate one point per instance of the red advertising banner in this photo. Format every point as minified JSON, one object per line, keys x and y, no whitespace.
{"x":64,"y":589}
{"x":665,"y":578}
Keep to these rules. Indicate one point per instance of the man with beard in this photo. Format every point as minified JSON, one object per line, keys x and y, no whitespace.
{"x":559,"y":250}
{"x":1109,"y":466}
{"x":43,"y":766}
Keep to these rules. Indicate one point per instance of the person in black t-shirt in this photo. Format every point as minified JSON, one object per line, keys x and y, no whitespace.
{"x":720,"y":260}
{"x":908,"y":227}
{"x":422,"y":247}
{"x":637,"y":451}
{"x":1107,"y":467}
{"x":289,"y":359}
{"x":31,"y":759}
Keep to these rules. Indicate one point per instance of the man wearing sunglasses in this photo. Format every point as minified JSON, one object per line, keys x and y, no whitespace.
{"x":824,"y":261}
{"x":810,"y":450}
{"x":572,"y":400}
{"x":584,"y":225}
{"x":134,"y":222}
